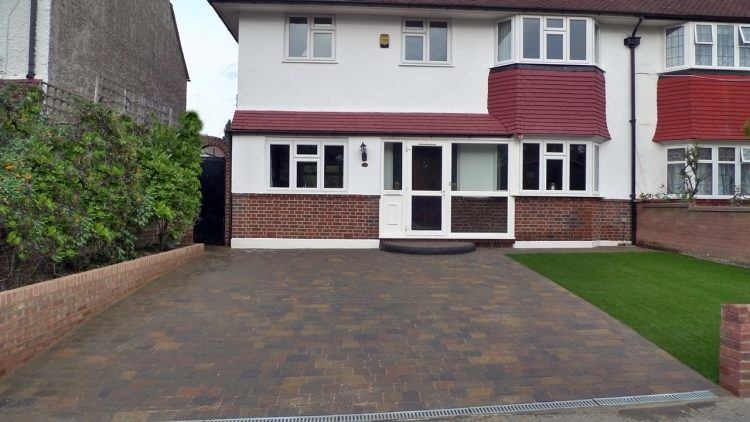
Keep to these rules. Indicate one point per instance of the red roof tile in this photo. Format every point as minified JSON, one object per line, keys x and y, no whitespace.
{"x":703,"y":107}
{"x":366,"y":123}
{"x":546,"y":100}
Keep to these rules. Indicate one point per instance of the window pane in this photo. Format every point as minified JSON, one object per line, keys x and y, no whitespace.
{"x":439,"y":41}
{"x":704,"y":33}
{"x":559,"y":148}
{"x":479,"y":167}
{"x":323,"y":21}
{"x":279,"y":166}
{"x":426,"y":212}
{"x":745,"y":34}
{"x":676,"y":154}
{"x":307,"y":174}
{"x":427,"y":168}
{"x":745,"y":56}
{"x":705,"y":153}
{"x":307,"y":150}
{"x":298,"y":37}
{"x":675,"y":181}
{"x":727,"y":154}
{"x":393,"y":165}
{"x":555,"y":23}
{"x":323,"y":45}
{"x":554,"y":46}
{"x":597,"y":43}
{"x":745,"y":179}
{"x":704,"y":55}
{"x":414,"y":25}
{"x":414,"y":48}
{"x":531,"y":166}
{"x":479,"y":215}
{"x":675,"y":46}
{"x":504,"y":41}
{"x":705,"y":178}
{"x":726,"y":179}
{"x":725,"y":42}
{"x":578,"y":45}
{"x":333,"y":167}
{"x":554,"y":174}
{"x":578,"y":167}
{"x":531,"y":38}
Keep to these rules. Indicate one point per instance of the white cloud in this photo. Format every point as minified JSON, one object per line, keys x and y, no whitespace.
{"x":211,"y":55}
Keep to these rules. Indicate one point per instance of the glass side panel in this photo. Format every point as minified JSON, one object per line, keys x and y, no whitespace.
{"x":333,"y":167}
{"x":393,"y":166}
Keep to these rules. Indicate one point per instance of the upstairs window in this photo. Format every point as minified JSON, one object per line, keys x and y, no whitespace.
{"x":504,"y":41}
{"x":426,"y":41}
{"x":725,"y":46}
{"x":310,"y":38}
{"x":555,"y":39}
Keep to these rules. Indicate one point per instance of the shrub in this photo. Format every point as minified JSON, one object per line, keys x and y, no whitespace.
{"x":79,"y":193}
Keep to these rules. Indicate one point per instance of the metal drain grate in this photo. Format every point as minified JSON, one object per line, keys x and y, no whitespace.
{"x":655,"y":398}
{"x":485,"y":410}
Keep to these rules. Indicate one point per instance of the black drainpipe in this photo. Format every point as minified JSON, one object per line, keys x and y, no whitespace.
{"x":632,"y":42}
{"x":32,"y":41}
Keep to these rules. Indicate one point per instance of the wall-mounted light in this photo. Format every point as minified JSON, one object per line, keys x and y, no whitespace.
{"x":363,"y":148}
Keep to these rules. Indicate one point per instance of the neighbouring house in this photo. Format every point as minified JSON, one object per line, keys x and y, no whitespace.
{"x":123,"y":53}
{"x":502,"y":121}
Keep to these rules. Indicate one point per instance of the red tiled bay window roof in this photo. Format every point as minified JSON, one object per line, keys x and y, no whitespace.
{"x":366,"y":123}
{"x":700,"y":106}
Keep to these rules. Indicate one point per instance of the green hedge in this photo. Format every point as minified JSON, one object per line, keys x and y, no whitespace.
{"x":80,"y":193}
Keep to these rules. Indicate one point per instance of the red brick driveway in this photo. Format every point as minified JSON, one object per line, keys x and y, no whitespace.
{"x":250,"y":333}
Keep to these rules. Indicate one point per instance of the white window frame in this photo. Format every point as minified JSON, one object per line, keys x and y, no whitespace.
{"x":741,"y":41}
{"x":312,"y":29}
{"x":544,"y":30}
{"x":715,"y":161}
{"x":294,"y":158}
{"x":544,"y":156}
{"x":424,"y":32}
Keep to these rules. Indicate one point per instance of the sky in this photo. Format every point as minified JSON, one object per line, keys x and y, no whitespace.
{"x":211,"y":55}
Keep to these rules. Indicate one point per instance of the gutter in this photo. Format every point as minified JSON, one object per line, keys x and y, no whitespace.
{"x":632,"y":42}
{"x":32,"y":41}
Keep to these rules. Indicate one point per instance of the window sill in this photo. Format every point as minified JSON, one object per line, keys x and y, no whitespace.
{"x":555,"y":194}
{"x":426,"y":65}
{"x":310,"y":61}
{"x":282,"y":191}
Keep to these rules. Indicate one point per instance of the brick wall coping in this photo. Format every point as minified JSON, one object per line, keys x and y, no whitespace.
{"x":713,"y":208}
{"x":36,"y":316}
{"x":664,"y":204}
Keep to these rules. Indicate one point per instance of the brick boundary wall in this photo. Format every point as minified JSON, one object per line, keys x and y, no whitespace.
{"x":305,"y":216}
{"x":34,"y":317}
{"x":719,"y":233}
{"x":571,"y":219}
{"x":734,"y":352}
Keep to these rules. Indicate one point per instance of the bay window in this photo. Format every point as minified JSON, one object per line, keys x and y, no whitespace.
{"x":426,"y":41}
{"x":310,"y":38}
{"x":306,"y":165}
{"x":559,"y":167}
{"x":556,"y":39}
{"x":713,"y":45}
{"x":722,"y":169}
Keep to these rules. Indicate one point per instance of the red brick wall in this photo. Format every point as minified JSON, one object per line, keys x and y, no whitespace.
{"x":719,"y":233}
{"x":35,"y":316}
{"x":305,"y":216}
{"x":571,"y":219}
{"x":479,"y":215}
{"x":734,"y":349}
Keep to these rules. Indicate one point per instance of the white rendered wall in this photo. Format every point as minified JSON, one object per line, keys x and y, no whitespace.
{"x":14,"y":39}
{"x":368,"y":78}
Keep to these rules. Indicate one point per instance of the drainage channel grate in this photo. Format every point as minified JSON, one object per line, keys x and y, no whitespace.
{"x":485,"y":410}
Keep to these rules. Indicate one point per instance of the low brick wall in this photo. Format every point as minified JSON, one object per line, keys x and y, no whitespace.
{"x":289,"y":216}
{"x":571,"y":219}
{"x":734,"y":353}
{"x":720,"y":233}
{"x":35,"y":316}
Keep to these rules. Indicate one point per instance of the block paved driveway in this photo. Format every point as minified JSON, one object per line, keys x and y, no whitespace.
{"x":251,"y":333}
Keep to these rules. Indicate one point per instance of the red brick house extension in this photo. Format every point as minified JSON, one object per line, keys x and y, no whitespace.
{"x":513,"y":122}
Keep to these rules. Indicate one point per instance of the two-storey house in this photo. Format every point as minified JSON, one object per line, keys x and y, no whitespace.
{"x":506,"y":121}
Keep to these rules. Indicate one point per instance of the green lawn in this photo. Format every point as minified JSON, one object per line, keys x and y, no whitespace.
{"x":673,"y":300}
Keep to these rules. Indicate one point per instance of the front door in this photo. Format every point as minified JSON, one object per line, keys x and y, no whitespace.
{"x":425,"y":189}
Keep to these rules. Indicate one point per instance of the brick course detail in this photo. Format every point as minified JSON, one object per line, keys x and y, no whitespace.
{"x":35,"y":316}
{"x":734,"y":354}
{"x":479,"y":215}
{"x":572,"y":219}
{"x":720,"y":233}
{"x":305,"y":216}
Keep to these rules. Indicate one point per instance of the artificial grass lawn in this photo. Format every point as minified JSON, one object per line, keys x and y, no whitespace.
{"x":672,"y":300}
